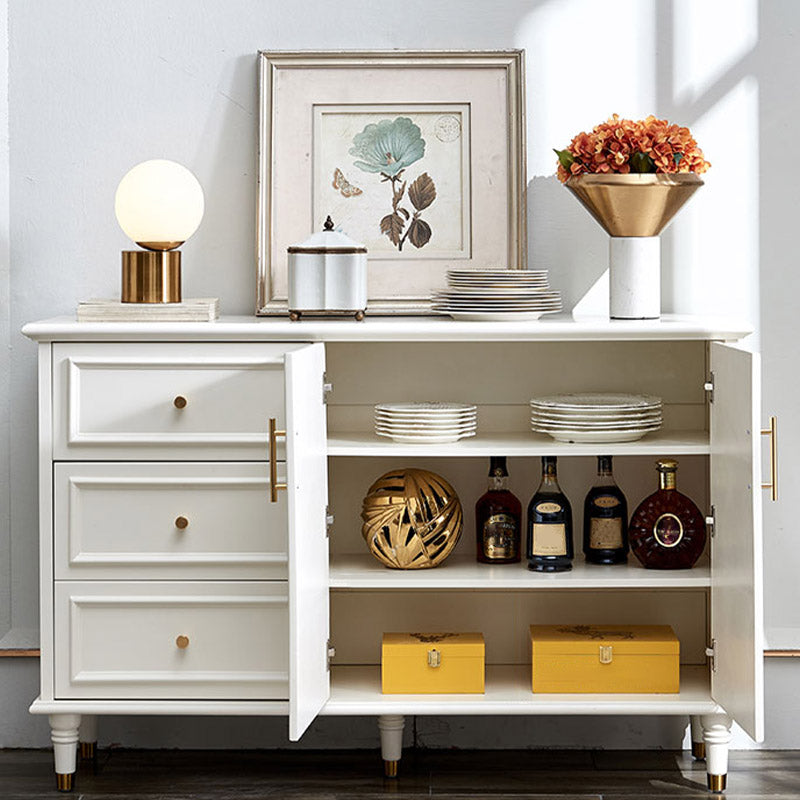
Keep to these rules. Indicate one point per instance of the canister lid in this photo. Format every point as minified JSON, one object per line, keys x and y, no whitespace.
{"x":328,"y":241}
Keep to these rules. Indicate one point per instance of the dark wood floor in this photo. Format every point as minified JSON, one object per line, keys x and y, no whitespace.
{"x":357,"y":775}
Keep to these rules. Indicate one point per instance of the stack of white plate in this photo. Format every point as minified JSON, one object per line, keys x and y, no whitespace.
{"x":496,"y":294}
{"x":423,"y":423}
{"x":596,"y":417}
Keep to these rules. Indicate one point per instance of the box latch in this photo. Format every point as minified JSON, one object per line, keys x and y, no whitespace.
{"x":434,"y":657}
{"x":606,"y":654}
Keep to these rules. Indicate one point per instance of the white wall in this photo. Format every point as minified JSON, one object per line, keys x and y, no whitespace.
{"x":96,"y":86}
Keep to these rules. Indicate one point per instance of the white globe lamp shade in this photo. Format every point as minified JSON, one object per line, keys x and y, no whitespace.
{"x":159,"y":204}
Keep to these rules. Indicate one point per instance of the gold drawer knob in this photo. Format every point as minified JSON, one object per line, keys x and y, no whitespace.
{"x":182,"y":642}
{"x":179,"y":401}
{"x":181,"y":523}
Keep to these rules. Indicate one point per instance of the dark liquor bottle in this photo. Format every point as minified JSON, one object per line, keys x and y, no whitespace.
{"x":605,"y":519}
{"x":549,"y":524}
{"x":498,"y":519}
{"x":667,"y":530}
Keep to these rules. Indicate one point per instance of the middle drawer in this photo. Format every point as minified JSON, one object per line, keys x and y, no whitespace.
{"x":168,"y":521}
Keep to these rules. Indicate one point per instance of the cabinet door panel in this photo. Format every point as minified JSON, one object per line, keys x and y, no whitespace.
{"x":307,"y":490}
{"x":737,"y":625}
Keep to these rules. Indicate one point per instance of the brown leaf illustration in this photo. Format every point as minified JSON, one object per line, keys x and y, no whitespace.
{"x":422,"y":193}
{"x":419,"y":234}
{"x":392,"y":225}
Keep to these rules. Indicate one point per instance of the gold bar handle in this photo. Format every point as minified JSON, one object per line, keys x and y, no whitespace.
{"x":772,"y":432}
{"x":274,"y":433}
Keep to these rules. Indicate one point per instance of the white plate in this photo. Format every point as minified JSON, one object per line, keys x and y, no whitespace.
{"x":424,"y":439}
{"x":425,"y":429}
{"x":430,"y":423}
{"x":431,"y":406}
{"x":499,"y":271}
{"x":597,"y":400}
{"x":582,"y":416}
{"x":618,"y":426}
{"x":598,"y":437}
{"x":498,"y":316}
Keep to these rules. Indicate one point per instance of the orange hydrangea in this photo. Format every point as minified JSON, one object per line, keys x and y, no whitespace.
{"x":624,"y":145}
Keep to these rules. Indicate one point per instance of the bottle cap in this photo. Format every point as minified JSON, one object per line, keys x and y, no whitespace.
{"x":497,"y":467}
{"x":666,"y":465}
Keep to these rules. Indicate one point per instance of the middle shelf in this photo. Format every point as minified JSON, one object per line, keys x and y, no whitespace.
{"x":361,"y":443}
{"x":362,"y":571}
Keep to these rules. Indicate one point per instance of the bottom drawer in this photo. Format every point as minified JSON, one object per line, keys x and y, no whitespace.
{"x":187,"y":640}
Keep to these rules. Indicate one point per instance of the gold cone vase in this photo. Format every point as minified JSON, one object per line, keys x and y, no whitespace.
{"x":634,"y":205}
{"x":633,"y":210}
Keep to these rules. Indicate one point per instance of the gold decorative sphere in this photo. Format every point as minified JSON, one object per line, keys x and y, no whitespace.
{"x":412,"y":519}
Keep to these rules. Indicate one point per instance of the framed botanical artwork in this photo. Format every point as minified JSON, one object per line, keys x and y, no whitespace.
{"x":419,"y":156}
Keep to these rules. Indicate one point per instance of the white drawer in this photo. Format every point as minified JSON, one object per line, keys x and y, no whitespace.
{"x":168,"y":521}
{"x":121,"y":640}
{"x":154,"y":401}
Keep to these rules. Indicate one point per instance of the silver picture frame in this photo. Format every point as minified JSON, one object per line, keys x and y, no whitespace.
{"x":474,"y":97}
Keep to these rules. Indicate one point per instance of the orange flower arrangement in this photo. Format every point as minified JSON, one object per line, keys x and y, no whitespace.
{"x":624,"y":146}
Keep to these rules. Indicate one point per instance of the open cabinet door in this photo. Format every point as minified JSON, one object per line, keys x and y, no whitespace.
{"x":737,"y":624}
{"x":307,"y":494}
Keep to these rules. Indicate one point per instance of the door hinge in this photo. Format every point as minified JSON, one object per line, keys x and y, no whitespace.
{"x":709,"y":387}
{"x":711,"y":521}
{"x":711,"y":652}
{"x":327,"y":388}
{"x":330,"y":653}
{"x":329,"y":520}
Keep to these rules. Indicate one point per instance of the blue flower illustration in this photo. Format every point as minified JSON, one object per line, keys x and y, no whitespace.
{"x":388,"y":147}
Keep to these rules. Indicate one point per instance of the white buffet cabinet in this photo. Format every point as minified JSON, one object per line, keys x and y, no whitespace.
{"x":184,"y":571}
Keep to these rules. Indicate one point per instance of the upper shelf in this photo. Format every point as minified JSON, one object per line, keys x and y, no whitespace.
{"x":559,"y":328}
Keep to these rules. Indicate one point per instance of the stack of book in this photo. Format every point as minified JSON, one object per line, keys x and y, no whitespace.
{"x":202,"y":309}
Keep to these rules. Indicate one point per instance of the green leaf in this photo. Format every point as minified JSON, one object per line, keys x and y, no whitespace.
{"x":422,"y":192}
{"x":419,"y":234}
{"x":565,"y":158}
{"x":392,"y":225}
{"x":641,"y":162}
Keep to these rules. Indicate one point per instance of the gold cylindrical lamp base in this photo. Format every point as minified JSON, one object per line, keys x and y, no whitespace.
{"x":151,"y":276}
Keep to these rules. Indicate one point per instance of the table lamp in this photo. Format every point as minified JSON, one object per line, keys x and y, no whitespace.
{"x":159,"y":205}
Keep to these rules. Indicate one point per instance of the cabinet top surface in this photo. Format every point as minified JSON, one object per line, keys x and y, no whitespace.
{"x":373,"y":329}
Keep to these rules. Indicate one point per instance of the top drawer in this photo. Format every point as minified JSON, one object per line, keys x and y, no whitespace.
{"x":144,"y":401}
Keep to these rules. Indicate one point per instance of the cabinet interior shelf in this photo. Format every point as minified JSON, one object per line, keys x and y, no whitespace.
{"x":356,"y":690}
{"x":526,"y":443}
{"x":362,"y":571}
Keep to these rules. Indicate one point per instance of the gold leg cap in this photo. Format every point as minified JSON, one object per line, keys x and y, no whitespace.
{"x":88,"y":750}
{"x":717,"y":783}
{"x":699,"y":750}
{"x":64,"y":781}
{"x":390,"y":768}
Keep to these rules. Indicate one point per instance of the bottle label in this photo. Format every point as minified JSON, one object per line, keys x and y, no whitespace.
{"x":500,"y":537}
{"x":606,"y":501}
{"x":548,"y":508}
{"x":549,"y":540}
{"x":605,"y":534}
{"x":668,"y":530}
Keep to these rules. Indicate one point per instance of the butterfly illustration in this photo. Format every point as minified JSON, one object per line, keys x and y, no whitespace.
{"x":343,"y":185}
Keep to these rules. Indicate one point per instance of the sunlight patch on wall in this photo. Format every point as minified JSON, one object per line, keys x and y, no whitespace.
{"x":710,"y":37}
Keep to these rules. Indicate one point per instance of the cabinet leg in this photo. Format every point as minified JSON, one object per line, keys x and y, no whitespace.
{"x":87,"y":736}
{"x":64,"y":734}
{"x":698,"y":745}
{"x":717,"y":737}
{"x":391,"y":728}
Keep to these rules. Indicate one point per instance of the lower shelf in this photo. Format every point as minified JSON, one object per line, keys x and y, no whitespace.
{"x":356,"y":691}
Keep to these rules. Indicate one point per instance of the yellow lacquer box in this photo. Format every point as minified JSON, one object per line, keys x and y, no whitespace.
{"x":618,"y":659}
{"x":432,"y":663}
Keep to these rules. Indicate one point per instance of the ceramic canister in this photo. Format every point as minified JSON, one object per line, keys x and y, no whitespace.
{"x":328,"y":274}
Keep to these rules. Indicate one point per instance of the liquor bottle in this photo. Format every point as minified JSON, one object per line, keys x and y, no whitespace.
{"x":498,"y":518}
{"x":549,"y":524}
{"x":605,"y":519}
{"x":667,"y":530}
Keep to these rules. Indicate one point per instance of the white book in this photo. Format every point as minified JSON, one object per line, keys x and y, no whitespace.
{"x":201,"y":309}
